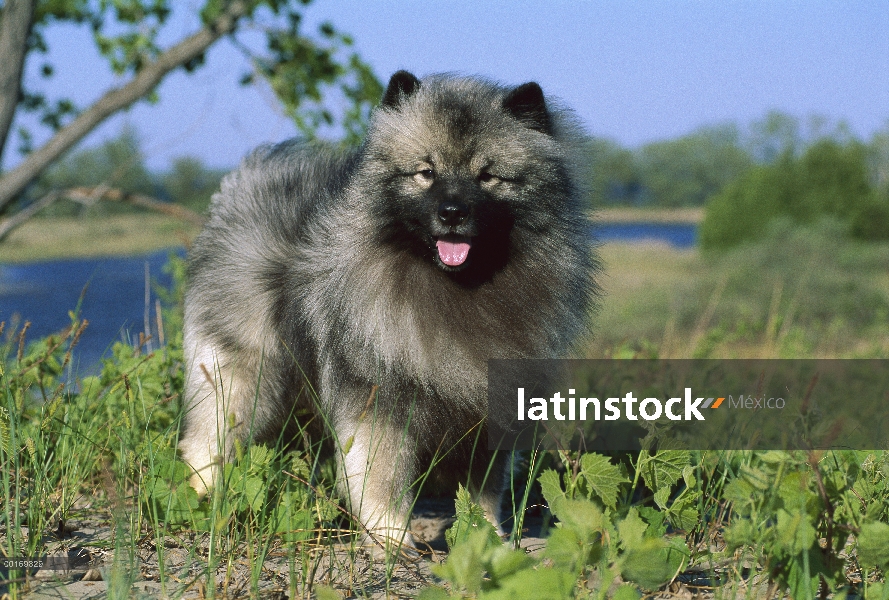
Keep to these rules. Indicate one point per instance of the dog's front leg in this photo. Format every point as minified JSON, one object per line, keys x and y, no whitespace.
{"x":377,"y":465}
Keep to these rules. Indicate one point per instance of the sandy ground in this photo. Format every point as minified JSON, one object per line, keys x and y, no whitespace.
{"x":352,"y":573}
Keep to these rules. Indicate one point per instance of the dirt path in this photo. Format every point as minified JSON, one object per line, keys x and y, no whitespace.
{"x":349,"y":571}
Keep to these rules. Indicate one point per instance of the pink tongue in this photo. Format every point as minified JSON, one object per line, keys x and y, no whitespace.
{"x":453,"y":252}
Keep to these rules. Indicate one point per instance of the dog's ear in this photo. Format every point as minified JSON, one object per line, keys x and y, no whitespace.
{"x":402,"y":85}
{"x":526,"y":104}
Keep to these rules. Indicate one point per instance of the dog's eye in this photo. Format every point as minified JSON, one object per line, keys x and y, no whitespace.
{"x":424,"y":177}
{"x":486,"y":177}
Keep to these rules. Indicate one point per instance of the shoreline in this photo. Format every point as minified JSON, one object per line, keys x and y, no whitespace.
{"x":627,"y":214}
{"x":58,"y":238}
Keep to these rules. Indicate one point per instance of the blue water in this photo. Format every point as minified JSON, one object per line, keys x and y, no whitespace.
{"x":113,"y":290}
{"x":679,"y":235}
{"x":109,"y":291}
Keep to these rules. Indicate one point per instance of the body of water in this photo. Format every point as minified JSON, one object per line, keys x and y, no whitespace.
{"x":678,"y":235}
{"x":107,"y":292}
{"x":110,"y":292}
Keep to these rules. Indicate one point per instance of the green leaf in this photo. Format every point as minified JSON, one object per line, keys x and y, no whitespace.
{"x":327,"y":509}
{"x":653,"y":562}
{"x":175,"y":502}
{"x":741,"y":532}
{"x":631,"y":530}
{"x":873,"y":545}
{"x":794,"y":491}
{"x":323,"y":592}
{"x":773,"y":457}
{"x":300,"y":468}
{"x":875,"y":591}
{"x":741,"y":494}
{"x":655,"y":520}
{"x":254,"y":490}
{"x":795,"y":533}
{"x":260,"y":459}
{"x":683,"y":513}
{"x":434,"y":593}
{"x":582,"y":516}
{"x":551,"y":487}
{"x":801,"y":579}
{"x":211,"y":10}
{"x":602,"y":477}
{"x":661,"y":497}
{"x":535,"y":584}
{"x":565,"y":548}
{"x":688,"y":475}
{"x":295,"y":523}
{"x":626,"y":592}
{"x":470,"y":519}
{"x":465,"y":566}
{"x":174,"y":471}
{"x":663,"y":469}
{"x":504,"y":562}
{"x":757,"y":478}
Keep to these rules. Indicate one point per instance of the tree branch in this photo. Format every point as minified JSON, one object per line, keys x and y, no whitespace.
{"x":18,"y":16}
{"x":81,"y":194}
{"x":8,"y":224}
{"x":87,"y":195}
{"x":15,"y":181}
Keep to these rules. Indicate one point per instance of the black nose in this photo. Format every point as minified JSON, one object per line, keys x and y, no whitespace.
{"x":452,"y":213}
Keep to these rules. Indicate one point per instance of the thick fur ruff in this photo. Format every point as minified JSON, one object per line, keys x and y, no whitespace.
{"x":452,"y":236}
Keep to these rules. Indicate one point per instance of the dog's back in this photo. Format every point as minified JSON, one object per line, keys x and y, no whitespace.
{"x":240,"y":297}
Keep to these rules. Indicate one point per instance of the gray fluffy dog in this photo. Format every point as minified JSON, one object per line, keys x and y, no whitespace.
{"x":369,"y":288}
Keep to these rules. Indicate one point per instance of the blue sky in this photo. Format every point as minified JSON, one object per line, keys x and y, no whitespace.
{"x":633,"y":71}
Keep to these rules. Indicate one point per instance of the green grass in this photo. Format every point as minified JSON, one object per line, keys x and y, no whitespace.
{"x":626,"y":214}
{"x":101,"y":450}
{"x":798,"y":293}
{"x":118,"y":235}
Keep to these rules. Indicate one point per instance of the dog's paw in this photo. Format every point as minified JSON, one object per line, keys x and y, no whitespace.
{"x":391,"y":545}
{"x":200,"y":485}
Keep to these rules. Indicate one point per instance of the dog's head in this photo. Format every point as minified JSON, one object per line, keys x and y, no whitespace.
{"x":460,"y":165}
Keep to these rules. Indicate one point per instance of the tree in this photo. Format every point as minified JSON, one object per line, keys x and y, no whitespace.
{"x":743,"y":209}
{"x":190,"y":183}
{"x":878,"y":157}
{"x":688,"y":170}
{"x":830,"y":179}
{"x":672,"y":173}
{"x":612,"y":174}
{"x":118,"y":163}
{"x":776,"y":135}
{"x":300,"y":69}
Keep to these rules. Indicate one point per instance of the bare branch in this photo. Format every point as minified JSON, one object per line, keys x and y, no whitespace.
{"x":10,"y":223}
{"x":105,"y":193}
{"x":89,"y":196}
{"x":14,"y":28}
{"x":15,"y":181}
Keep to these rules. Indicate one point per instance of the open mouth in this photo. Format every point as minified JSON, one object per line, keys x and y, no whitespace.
{"x":453,"y":250}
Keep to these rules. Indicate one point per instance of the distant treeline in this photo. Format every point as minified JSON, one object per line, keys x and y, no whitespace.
{"x":689,"y":170}
{"x":119,"y":163}
{"x":775,"y":167}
